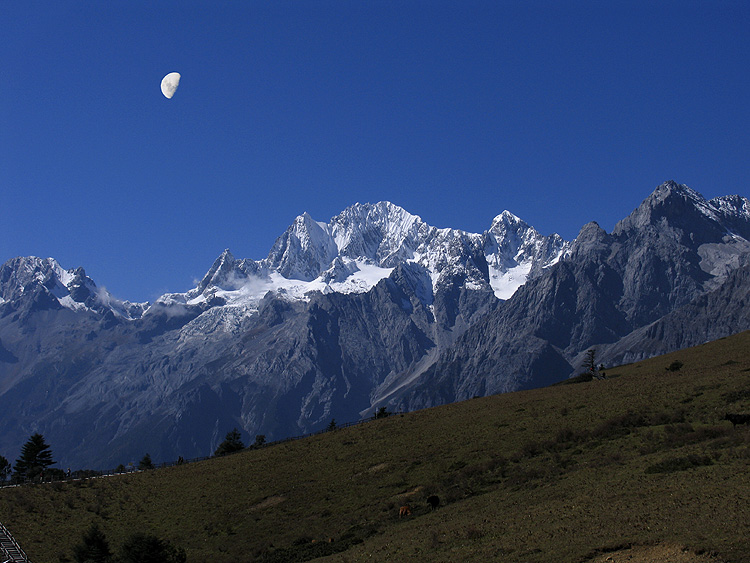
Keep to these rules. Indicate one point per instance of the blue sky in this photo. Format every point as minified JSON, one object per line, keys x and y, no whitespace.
{"x":561,"y":112}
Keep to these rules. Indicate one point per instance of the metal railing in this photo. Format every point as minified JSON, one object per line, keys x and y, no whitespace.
{"x":10,"y":547}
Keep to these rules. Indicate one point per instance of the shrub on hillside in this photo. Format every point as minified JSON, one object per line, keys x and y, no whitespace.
{"x":138,"y":548}
{"x":146,"y":548}
{"x":382,"y":413}
{"x":145,"y":463}
{"x":93,"y":547}
{"x":736,"y":396}
{"x":232,"y":443}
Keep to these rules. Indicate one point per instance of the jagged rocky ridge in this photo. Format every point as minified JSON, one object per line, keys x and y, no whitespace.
{"x":373,"y":308}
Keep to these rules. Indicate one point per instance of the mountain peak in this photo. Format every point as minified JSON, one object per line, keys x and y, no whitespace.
{"x":508,"y":227}
{"x":671,"y":204}
{"x":672,"y":188}
{"x":591,"y":239}
{"x":591,"y":231}
{"x":383,"y":216}
{"x":507,"y":218}
{"x":219,"y":272}
{"x":379,"y":232}
{"x":366,"y":241}
{"x":71,"y":289}
{"x":19,"y":273}
{"x":304,"y":250}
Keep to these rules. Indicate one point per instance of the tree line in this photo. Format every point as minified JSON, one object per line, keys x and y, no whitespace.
{"x":36,"y":456}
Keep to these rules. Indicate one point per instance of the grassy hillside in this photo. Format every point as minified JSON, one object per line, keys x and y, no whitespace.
{"x":563,"y":473}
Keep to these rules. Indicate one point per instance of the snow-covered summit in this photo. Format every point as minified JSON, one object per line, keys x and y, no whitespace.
{"x":351,"y":253}
{"x":364,"y":243}
{"x":303,"y":251}
{"x":71,"y":289}
{"x":515,"y":250}
{"x":383,"y":233}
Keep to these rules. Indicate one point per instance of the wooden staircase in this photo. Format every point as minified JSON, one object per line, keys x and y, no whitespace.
{"x":10,"y":551}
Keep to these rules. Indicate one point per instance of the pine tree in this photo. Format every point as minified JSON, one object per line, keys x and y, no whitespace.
{"x":36,"y":455}
{"x":232,"y":443}
{"x":94,"y":547}
{"x":382,"y":413}
{"x":589,"y":363}
{"x":4,"y":468}
{"x":146,"y":463}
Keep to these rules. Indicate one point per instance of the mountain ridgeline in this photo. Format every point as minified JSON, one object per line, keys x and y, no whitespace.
{"x":375,"y":308}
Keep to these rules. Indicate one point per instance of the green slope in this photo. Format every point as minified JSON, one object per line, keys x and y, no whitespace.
{"x":554,"y":474}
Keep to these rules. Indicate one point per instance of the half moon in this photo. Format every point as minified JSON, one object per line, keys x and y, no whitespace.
{"x":169,"y":84}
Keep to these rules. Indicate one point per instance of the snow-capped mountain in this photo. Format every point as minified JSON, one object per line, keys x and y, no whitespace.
{"x":55,"y":286}
{"x":372,"y":308}
{"x":350,"y":254}
{"x":515,"y":251}
{"x":363,"y":244}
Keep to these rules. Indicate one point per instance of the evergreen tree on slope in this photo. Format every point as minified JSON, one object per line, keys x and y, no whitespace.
{"x":94,"y":547}
{"x":232,"y":443}
{"x":36,"y":456}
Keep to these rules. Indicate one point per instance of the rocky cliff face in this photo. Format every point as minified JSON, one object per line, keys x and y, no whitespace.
{"x":374,"y":308}
{"x":710,"y":316}
{"x":624,"y":293}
